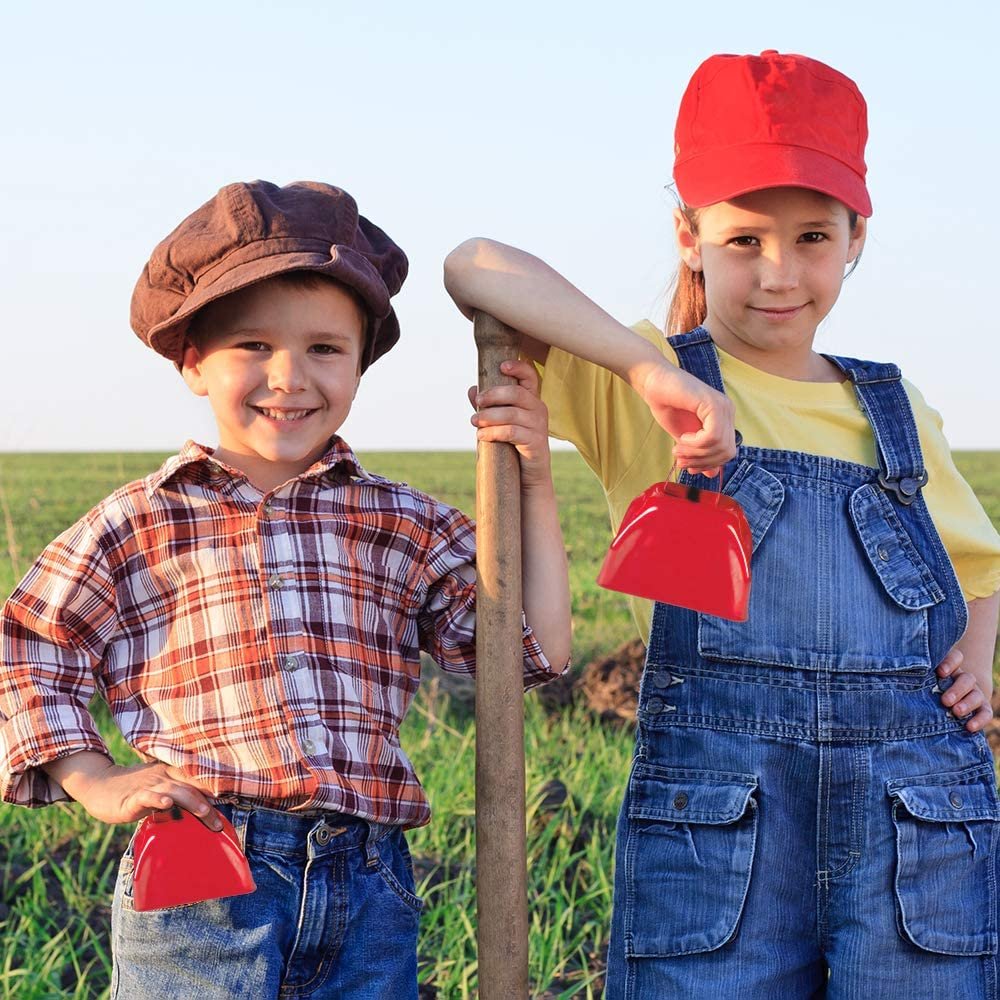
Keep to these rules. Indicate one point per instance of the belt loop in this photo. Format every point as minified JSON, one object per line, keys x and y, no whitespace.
{"x":241,"y":821}
{"x":376,"y":831}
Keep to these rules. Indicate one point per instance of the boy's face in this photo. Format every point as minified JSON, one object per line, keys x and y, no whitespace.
{"x":280,"y":366}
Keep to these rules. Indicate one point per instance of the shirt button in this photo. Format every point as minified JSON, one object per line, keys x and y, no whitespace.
{"x":956,"y":800}
{"x":654,"y":705}
{"x":883,"y":553}
{"x":268,"y":510}
{"x":275,"y":582}
{"x":680,"y":800}
{"x":662,"y":680}
{"x":292,"y":663}
{"x":309,"y":747}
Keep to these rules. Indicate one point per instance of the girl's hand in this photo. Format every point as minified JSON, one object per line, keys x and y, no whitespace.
{"x":124,"y":794}
{"x":699,"y":419}
{"x":514,"y":413}
{"x":965,"y":694}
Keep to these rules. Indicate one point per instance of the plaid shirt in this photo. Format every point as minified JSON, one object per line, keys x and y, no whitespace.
{"x":266,"y":645}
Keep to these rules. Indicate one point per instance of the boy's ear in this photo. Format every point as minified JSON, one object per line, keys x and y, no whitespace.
{"x":687,"y":242}
{"x":191,"y":370}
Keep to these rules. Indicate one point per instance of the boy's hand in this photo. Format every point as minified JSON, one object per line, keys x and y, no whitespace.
{"x":697,"y":417}
{"x":115,"y":794}
{"x":965,"y":694}
{"x":515,"y":414}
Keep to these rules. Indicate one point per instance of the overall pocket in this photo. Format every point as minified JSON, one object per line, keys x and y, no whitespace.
{"x":688,"y":855}
{"x":946,"y":839}
{"x":836,"y":582}
{"x":907,"y":579}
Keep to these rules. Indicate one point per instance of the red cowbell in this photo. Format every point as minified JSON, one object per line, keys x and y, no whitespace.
{"x":180,"y":860}
{"x":684,"y":546}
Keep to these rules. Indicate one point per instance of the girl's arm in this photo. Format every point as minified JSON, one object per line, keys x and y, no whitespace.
{"x":970,"y":663}
{"x":528,"y":295}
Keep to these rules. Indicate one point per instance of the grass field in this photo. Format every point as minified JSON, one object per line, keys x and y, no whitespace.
{"x":57,"y":866}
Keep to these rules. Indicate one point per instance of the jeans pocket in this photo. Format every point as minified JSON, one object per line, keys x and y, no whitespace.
{"x":946,"y":839}
{"x":126,"y":875}
{"x":396,"y":868}
{"x":688,"y":854}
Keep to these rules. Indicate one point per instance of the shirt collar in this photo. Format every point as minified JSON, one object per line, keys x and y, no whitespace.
{"x":194,"y":458}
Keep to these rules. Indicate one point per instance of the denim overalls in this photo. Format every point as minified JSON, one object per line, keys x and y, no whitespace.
{"x":804,"y":818}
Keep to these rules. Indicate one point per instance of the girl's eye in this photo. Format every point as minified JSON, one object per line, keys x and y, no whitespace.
{"x":252,"y":345}
{"x":744,"y":241}
{"x":325,"y":349}
{"x":813,"y":237}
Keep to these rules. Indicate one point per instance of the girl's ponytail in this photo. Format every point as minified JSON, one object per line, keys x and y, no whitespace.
{"x":688,"y":308}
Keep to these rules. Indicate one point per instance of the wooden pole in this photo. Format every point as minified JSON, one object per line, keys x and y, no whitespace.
{"x":501,"y":854}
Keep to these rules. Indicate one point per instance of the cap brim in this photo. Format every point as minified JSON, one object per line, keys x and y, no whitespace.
{"x":167,"y":338}
{"x":724,"y":174}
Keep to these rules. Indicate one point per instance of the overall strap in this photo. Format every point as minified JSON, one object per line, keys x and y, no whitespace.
{"x":697,"y":356}
{"x":884,"y":402}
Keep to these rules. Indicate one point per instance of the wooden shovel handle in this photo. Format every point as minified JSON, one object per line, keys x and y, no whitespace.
{"x":501,"y":854}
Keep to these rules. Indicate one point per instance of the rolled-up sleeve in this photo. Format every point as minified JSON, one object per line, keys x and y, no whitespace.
{"x":53,"y":632}
{"x":448,"y":614}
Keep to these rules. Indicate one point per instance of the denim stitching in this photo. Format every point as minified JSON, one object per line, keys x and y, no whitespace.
{"x":859,"y":783}
{"x":822,"y":837}
{"x":824,"y":623}
{"x":335,"y":877}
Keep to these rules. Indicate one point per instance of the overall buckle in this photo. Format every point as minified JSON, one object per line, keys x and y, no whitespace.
{"x":905,"y":488}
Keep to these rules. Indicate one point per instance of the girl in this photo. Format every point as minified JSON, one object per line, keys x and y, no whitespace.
{"x":804,"y":817}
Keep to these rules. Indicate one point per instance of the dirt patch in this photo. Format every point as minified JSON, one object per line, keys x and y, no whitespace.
{"x":611,"y":686}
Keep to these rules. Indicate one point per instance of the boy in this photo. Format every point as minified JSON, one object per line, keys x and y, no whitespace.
{"x":254,"y":614}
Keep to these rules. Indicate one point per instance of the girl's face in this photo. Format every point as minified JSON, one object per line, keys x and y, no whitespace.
{"x":773,"y":263}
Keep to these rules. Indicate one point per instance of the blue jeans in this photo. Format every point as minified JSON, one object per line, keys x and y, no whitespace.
{"x":334,"y":915}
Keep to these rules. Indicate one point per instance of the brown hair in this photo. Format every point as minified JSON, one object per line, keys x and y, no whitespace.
{"x":688,"y":306}
{"x":302,"y":280}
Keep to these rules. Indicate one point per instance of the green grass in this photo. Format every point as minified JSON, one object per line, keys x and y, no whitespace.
{"x":57,"y":866}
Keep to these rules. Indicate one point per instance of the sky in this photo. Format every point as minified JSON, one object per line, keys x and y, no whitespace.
{"x":545,"y":125}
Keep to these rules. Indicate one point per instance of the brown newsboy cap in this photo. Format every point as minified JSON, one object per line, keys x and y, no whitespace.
{"x":250,"y":232}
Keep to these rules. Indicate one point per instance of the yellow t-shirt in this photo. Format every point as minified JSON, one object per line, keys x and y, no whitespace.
{"x":617,"y":436}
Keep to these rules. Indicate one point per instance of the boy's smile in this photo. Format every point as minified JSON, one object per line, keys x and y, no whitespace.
{"x":773,"y":263}
{"x":280,"y":364}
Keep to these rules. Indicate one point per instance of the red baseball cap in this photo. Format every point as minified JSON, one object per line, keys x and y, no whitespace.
{"x":775,"y":120}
